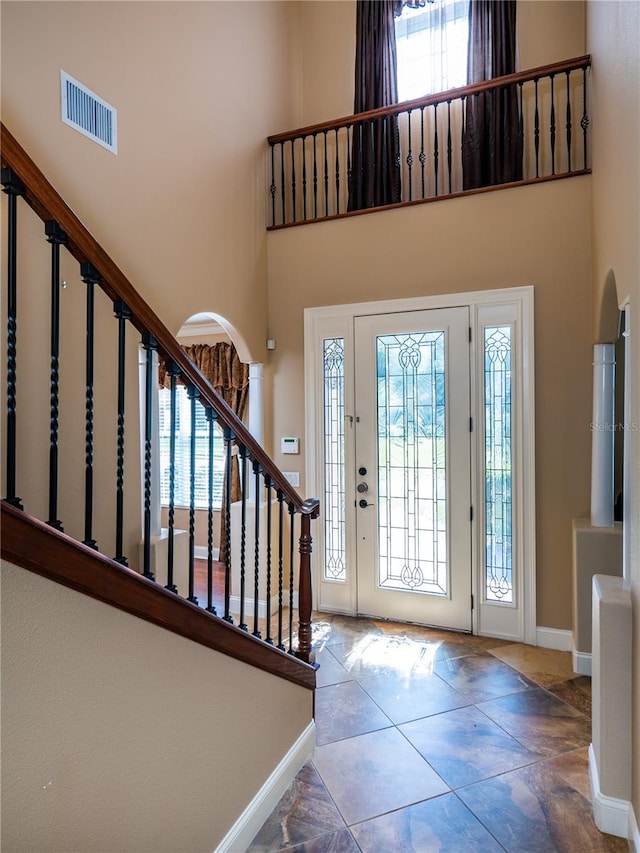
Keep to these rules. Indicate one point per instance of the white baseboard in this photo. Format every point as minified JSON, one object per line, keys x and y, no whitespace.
{"x":634,"y":832}
{"x":554,"y":638}
{"x":245,"y":828}
{"x":234,"y":604}
{"x":611,"y":815}
{"x":201,"y":552}
{"x":581,"y":663}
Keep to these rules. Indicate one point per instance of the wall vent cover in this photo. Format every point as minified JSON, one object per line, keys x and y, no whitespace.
{"x":83,"y":110}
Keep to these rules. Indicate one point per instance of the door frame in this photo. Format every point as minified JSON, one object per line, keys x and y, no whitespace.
{"x":514,"y":622}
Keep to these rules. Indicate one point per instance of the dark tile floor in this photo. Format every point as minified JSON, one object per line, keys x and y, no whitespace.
{"x":434,"y":741}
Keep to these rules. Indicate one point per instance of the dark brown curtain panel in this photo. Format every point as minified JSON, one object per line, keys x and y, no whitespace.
{"x":492,"y":147}
{"x":375,"y":145}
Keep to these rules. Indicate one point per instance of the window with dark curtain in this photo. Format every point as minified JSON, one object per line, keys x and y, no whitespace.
{"x":375,"y":146}
{"x":492,"y":146}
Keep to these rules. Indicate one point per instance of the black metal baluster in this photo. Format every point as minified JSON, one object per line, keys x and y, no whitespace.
{"x":267,"y":483}
{"x":436,"y":153}
{"x":123,"y":314}
{"x":211,"y":417}
{"x":280,"y":494}
{"x":568,"y":121}
{"x":150,"y":345}
{"x":192,"y":394}
{"x":315,"y":178}
{"x":256,"y":564}
{"x":409,"y":155}
{"x":584,"y":122}
{"x":349,"y":143}
{"x":292,"y":546}
{"x":272,"y":186}
{"x":536,"y":129}
{"x":337,"y":174}
{"x":229,"y":438}
{"x":304,"y":178}
{"x":422,"y":157}
{"x":553,"y":127}
{"x":282,"y":184}
{"x":293,"y":178}
{"x":243,"y":535}
{"x":521,"y":127}
{"x":13,"y":187}
{"x":463,"y":113}
{"x":57,"y":237}
{"x":326,"y":176}
{"x":449,"y":146}
{"x":173,"y":372}
{"x":91,"y":277}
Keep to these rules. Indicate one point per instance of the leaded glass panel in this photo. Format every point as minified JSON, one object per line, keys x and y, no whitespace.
{"x":334,"y":479}
{"x":412,"y":481}
{"x":498,"y":486}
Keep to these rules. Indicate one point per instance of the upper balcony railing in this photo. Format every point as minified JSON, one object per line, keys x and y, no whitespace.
{"x":525,"y":127}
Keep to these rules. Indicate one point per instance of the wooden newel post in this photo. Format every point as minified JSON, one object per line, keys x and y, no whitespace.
{"x":304,"y":591}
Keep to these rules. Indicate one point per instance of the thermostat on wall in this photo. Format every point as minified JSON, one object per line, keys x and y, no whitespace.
{"x":290,"y":445}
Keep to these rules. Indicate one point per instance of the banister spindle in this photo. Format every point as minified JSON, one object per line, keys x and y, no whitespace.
{"x":267,"y":483}
{"x":150,"y":345}
{"x":584,"y":122}
{"x":173,"y":372}
{"x":13,"y":187}
{"x":315,"y":178}
{"x":90,"y":277}
{"x":422,"y":157}
{"x":536,"y":129}
{"x":282,"y":185}
{"x":56,"y":237}
{"x":521,"y":126}
{"x":229,"y":438}
{"x":449,"y":146}
{"x":243,"y":534}
{"x":272,"y":186}
{"x":349,"y":144}
{"x":553,"y":126}
{"x":409,"y":153}
{"x":568,"y":73}
{"x":292,"y":549}
{"x":326,"y":176}
{"x":123,"y":314}
{"x":293,"y":179}
{"x":280,"y":495}
{"x":211,"y":417}
{"x":257,"y":469}
{"x":304,"y":178}
{"x":436,"y":153}
{"x":192,"y":394}
{"x":337,"y":172}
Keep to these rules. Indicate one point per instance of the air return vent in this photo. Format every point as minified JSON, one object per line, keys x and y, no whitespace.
{"x":83,"y":110}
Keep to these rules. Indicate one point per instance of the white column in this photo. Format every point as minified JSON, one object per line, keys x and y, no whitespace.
{"x":626,"y":476}
{"x":256,"y":402}
{"x":602,"y":441}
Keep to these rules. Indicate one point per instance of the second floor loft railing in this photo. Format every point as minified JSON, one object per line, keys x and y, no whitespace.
{"x":523,"y":128}
{"x":82,"y":375}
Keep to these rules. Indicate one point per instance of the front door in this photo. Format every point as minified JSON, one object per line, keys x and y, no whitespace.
{"x":412,"y":467}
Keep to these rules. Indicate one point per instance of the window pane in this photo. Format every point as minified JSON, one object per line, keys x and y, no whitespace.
{"x":431,"y":47}
{"x":334,"y":521}
{"x":498,"y":486}
{"x":183,"y":452}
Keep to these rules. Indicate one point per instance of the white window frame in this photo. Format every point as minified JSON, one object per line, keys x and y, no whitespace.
{"x":487,"y":308}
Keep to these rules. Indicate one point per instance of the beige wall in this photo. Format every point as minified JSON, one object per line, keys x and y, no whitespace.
{"x":104,"y":751}
{"x":613,"y":34}
{"x":538,"y":236}
{"x":198,"y":86}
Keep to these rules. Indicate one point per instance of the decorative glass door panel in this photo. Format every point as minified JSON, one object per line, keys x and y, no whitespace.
{"x":412,"y":443}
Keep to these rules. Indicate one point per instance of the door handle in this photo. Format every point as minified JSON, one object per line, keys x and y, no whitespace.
{"x":363,"y":503}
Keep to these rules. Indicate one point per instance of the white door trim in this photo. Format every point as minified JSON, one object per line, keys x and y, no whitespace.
{"x":337,"y":320}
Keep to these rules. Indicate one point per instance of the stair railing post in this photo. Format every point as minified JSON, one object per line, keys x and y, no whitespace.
{"x":149,"y":344}
{"x":90,"y":277}
{"x":304,"y":590}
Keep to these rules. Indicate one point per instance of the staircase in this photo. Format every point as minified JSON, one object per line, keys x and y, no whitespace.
{"x":80,"y":482}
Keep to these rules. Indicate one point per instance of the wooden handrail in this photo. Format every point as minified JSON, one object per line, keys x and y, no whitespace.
{"x":439,"y":98}
{"x":34,"y":545}
{"x":48,"y":204}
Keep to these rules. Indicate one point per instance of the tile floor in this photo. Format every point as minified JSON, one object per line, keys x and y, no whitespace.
{"x":434,"y":741}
